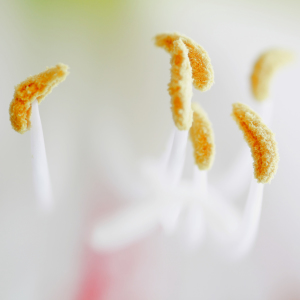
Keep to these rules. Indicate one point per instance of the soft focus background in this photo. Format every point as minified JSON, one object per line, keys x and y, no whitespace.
{"x":113,"y":111}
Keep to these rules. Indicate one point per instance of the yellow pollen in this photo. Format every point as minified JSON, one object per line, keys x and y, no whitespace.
{"x":264,"y":69}
{"x":202,"y":138}
{"x":180,"y":86}
{"x":202,"y":70}
{"x":261,"y":141}
{"x":34,"y":87}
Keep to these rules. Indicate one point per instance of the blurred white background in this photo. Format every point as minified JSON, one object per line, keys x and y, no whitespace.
{"x":113,"y":111}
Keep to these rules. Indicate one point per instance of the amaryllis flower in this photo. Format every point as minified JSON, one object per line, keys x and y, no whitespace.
{"x":117,"y":97}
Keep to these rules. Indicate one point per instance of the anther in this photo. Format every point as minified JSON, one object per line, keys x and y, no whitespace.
{"x":261,"y":141}
{"x":202,"y":138}
{"x":264,"y":69}
{"x":180,"y":87}
{"x":202,"y":69}
{"x":35,"y":87}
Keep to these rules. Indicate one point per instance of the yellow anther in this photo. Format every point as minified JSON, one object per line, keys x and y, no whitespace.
{"x":264,"y":69}
{"x":34,"y":87}
{"x":180,"y":87}
{"x":202,"y":70}
{"x":202,"y":138}
{"x":261,"y":141}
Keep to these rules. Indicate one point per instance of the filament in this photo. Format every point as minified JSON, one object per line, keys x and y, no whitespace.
{"x":250,"y":221}
{"x":239,"y":241}
{"x":40,"y":171}
{"x":175,"y":161}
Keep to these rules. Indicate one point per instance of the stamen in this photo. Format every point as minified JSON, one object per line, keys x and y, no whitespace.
{"x":177,"y":156}
{"x":28,"y":94}
{"x":195,"y":220}
{"x":180,"y":87}
{"x":236,"y":243}
{"x":195,"y":225}
{"x":200,"y":182}
{"x":202,"y":69}
{"x":202,"y":138}
{"x":189,"y":61}
{"x":247,"y":232}
{"x":35,"y":87}
{"x":238,"y":175}
{"x":41,"y":177}
{"x":164,"y":159}
{"x":173,"y":172}
{"x":223,"y":217}
{"x":260,"y":140}
{"x":264,"y":69}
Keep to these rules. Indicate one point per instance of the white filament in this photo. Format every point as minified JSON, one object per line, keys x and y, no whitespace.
{"x":195,"y":225}
{"x":195,"y":220}
{"x":237,"y":242}
{"x":136,"y":221}
{"x":238,"y":176}
{"x":175,"y":161}
{"x":234,"y":232}
{"x":200,"y":181}
{"x":248,"y":229}
{"x":40,"y":171}
{"x":174,"y":165}
{"x":164,"y":159}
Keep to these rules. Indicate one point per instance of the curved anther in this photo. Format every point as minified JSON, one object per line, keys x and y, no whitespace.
{"x":35,"y":87}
